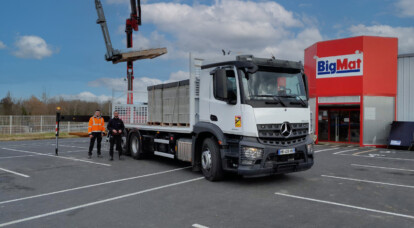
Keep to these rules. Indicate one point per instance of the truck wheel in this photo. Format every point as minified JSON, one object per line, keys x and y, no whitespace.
{"x":135,"y":146}
{"x":211,"y":160}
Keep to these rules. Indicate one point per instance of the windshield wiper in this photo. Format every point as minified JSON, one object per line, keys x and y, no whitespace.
{"x":291,"y":96}
{"x":280,"y":101}
{"x":277,"y":99}
{"x":301,"y":100}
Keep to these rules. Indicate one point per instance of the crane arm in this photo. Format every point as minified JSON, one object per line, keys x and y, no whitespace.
{"x":132,"y":23}
{"x":135,"y":17}
{"x":111,"y":54}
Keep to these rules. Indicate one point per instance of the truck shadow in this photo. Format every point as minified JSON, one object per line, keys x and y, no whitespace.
{"x":260,"y":181}
{"x":231,"y":178}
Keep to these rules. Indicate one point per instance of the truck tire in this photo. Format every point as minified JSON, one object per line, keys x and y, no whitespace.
{"x":211,"y":160}
{"x":135,"y":146}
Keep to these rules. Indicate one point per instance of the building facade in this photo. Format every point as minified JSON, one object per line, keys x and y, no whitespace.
{"x":353,"y":89}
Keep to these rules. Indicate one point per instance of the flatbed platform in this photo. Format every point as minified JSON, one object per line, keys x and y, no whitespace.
{"x":140,"y":54}
{"x":175,"y":129}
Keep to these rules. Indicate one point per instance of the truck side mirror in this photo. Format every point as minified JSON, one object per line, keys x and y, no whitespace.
{"x":220,"y":84}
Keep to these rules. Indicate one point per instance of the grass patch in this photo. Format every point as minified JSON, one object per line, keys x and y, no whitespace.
{"x":36,"y":136}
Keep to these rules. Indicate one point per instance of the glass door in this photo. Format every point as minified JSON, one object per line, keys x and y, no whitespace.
{"x":339,"y":125}
{"x":333,"y":126}
{"x":323,"y":125}
{"x":354,"y":125}
{"x":343,"y":126}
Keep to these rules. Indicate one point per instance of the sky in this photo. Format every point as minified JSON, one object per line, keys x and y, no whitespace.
{"x":56,"y":47}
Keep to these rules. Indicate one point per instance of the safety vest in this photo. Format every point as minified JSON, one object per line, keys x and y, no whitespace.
{"x":96,"y":124}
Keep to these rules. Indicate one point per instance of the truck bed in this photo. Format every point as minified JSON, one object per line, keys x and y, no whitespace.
{"x":175,"y":129}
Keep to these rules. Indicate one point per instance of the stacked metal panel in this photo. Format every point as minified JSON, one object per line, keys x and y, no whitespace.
{"x":184,"y":104}
{"x":169,"y":103}
{"x":155,"y":109}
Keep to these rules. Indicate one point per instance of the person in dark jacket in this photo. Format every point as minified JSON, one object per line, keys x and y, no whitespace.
{"x":115,"y":129}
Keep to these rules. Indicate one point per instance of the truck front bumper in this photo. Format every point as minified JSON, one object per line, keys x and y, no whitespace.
{"x":253,"y":171}
{"x":271,"y":163}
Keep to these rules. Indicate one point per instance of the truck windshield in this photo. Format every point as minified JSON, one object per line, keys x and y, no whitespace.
{"x":273,"y":87}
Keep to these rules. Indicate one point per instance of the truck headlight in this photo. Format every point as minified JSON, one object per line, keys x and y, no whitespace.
{"x":310,"y":148}
{"x":251,"y":153}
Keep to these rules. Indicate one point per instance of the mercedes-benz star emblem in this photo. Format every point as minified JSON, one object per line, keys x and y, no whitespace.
{"x":286,"y":129}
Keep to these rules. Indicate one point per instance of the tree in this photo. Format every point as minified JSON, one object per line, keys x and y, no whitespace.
{"x":34,"y":106}
{"x":7,"y":103}
{"x":47,"y":106}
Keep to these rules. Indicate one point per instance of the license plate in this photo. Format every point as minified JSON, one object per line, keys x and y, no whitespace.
{"x":286,"y":151}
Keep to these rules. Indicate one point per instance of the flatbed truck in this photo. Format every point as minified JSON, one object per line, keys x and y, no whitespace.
{"x":248,"y":116}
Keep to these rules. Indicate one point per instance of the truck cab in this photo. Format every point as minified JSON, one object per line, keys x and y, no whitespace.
{"x":258,"y":111}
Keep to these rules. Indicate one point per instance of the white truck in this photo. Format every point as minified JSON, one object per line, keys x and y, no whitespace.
{"x":248,"y":116}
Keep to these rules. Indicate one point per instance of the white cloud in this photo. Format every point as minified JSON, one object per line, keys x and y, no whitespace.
{"x":119,"y":85}
{"x":405,"y":34}
{"x":32,"y":47}
{"x":244,"y":27}
{"x":293,"y":49}
{"x":406,"y":8}
{"x":155,"y":40}
{"x":110,"y":83}
{"x":140,"y":84}
{"x":2,"y":45}
{"x":178,"y":76}
{"x":85,"y":96}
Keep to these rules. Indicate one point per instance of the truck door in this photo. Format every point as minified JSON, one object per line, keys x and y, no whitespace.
{"x":225,"y":109}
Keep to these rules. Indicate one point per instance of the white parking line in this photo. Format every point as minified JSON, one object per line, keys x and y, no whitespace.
{"x":92,"y":185}
{"x":16,"y":173}
{"x":366,"y":151}
{"x":340,"y":152}
{"x":317,"y":151}
{"x":368,"y":181}
{"x":401,"y":159}
{"x":70,"y":151}
{"x":346,"y":205}
{"x":20,"y":156}
{"x":98,"y":202}
{"x":31,"y":144}
{"x":53,"y":156}
{"x":199,"y":226}
{"x":60,"y":152}
{"x":380,"y":167}
{"x":48,"y":144}
{"x":61,"y":145}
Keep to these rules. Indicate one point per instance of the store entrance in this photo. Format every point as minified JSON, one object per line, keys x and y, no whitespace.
{"x":339,"y":125}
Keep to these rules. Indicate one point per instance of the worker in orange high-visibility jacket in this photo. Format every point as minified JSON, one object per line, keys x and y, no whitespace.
{"x":96,"y":130}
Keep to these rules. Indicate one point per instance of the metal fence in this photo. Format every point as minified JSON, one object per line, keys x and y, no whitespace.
{"x":132,"y":114}
{"x":37,"y":124}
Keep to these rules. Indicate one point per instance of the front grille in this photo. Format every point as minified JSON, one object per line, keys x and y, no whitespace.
{"x":271,"y":134}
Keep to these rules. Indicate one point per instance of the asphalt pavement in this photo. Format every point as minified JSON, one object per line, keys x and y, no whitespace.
{"x":348,"y":186}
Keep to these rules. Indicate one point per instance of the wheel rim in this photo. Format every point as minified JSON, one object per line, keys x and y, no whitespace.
{"x":206,"y":159}
{"x":135,"y":145}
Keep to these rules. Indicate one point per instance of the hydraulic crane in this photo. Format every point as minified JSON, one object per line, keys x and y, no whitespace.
{"x":132,"y":23}
{"x":129,"y":55}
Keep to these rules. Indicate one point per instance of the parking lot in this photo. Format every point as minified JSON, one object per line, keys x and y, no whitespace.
{"x":348,"y":186}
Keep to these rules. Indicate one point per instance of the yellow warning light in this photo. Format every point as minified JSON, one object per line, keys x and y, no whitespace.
{"x":58,"y":108}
